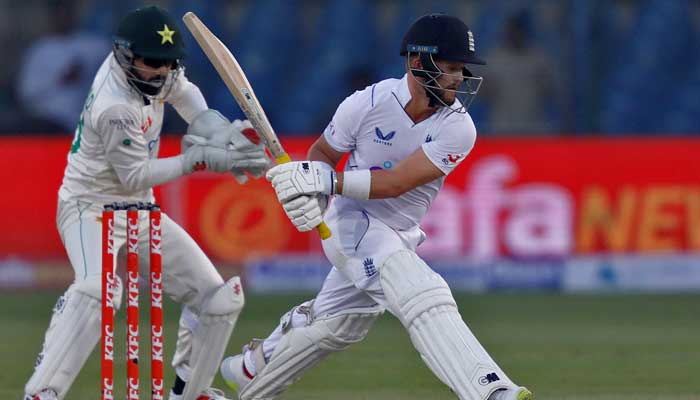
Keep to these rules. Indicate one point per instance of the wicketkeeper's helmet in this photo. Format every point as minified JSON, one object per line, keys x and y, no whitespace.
{"x":153,"y":34}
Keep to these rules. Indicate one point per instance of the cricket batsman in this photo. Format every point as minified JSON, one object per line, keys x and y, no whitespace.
{"x":114,"y":158}
{"x":404,"y":137}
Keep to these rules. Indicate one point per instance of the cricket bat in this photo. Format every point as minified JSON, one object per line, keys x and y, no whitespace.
{"x":233,"y":76}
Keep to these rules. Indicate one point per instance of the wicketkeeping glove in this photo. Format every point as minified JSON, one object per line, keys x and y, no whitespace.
{"x":200,"y":157}
{"x":224,"y":144}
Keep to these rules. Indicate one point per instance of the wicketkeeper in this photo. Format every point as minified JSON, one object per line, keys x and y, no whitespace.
{"x":114,"y":157}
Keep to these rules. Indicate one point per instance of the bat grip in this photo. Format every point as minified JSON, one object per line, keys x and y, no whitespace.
{"x":283,"y":159}
{"x":323,"y":231}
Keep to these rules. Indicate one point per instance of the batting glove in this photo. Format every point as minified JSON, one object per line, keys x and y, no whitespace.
{"x":297,"y":178}
{"x":306,"y":212}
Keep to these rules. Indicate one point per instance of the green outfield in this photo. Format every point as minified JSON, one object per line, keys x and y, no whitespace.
{"x":609,"y":347}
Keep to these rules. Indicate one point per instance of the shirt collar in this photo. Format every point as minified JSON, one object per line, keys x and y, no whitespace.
{"x":403,"y":95}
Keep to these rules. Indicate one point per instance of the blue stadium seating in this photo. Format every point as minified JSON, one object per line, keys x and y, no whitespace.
{"x":652,"y":71}
{"x":631,"y":67}
{"x":342,"y":47}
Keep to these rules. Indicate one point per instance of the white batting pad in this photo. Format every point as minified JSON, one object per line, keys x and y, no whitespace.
{"x":421,"y":299}
{"x":73,"y":332}
{"x":303,"y":347}
{"x":216,"y":321}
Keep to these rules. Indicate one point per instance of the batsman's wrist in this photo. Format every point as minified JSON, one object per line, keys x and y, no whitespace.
{"x":328,"y":182}
{"x":356,"y":184}
{"x":326,"y":178}
{"x":334,"y":183}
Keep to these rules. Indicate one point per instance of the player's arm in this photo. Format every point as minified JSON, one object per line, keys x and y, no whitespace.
{"x":186,"y":98}
{"x":127,"y":151}
{"x":431,"y":161}
{"x":414,"y":171}
{"x":316,"y":176}
{"x":321,"y":150}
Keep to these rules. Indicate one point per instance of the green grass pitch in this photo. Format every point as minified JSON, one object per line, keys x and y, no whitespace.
{"x":563,"y":347}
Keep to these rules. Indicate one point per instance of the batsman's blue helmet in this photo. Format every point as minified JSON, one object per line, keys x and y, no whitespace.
{"x":444,"y":36}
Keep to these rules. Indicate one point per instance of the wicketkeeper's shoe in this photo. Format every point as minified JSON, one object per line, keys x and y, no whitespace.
{"x":234,"y":373}
{"x":47,"y":394}
{"x":520,"y":393}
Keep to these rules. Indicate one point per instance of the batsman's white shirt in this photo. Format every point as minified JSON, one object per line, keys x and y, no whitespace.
{"x":117,"y":134}
{"x":372,"y":125}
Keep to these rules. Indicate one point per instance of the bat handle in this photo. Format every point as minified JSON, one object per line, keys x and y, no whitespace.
{"x":283,"y":159}
{"x":323,"y":230}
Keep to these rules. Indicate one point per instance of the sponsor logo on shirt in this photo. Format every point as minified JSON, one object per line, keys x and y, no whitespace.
{"x":386,"y":165}
{"x":147,"y":125}
{"x":121,"y":123}
{"x":152,"y":144}
{"x":452,"y":159}
{"x":428,"y":139}
{"x":382,"y":138}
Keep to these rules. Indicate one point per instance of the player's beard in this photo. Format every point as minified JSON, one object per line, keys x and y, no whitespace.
{"x":446,"y":93}
{"x":157,"y":86}
{"x":151,"y":87}
{"x":447,"y":96}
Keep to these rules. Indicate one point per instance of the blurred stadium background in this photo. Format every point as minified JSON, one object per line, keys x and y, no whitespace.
{"x":572,"y":232}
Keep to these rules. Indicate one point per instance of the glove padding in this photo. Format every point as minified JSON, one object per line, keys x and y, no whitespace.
{"x":210,"y":125}
{"x":239,"y":141}
{"x":211,"y":129}
{"x":298,"y":178}
{"x":306,"y":212}
{"x":199,"y":157}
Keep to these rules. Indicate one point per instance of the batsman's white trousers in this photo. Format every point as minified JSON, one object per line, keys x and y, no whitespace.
{"x":375,"y":267}
{"x":357,"y":248}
